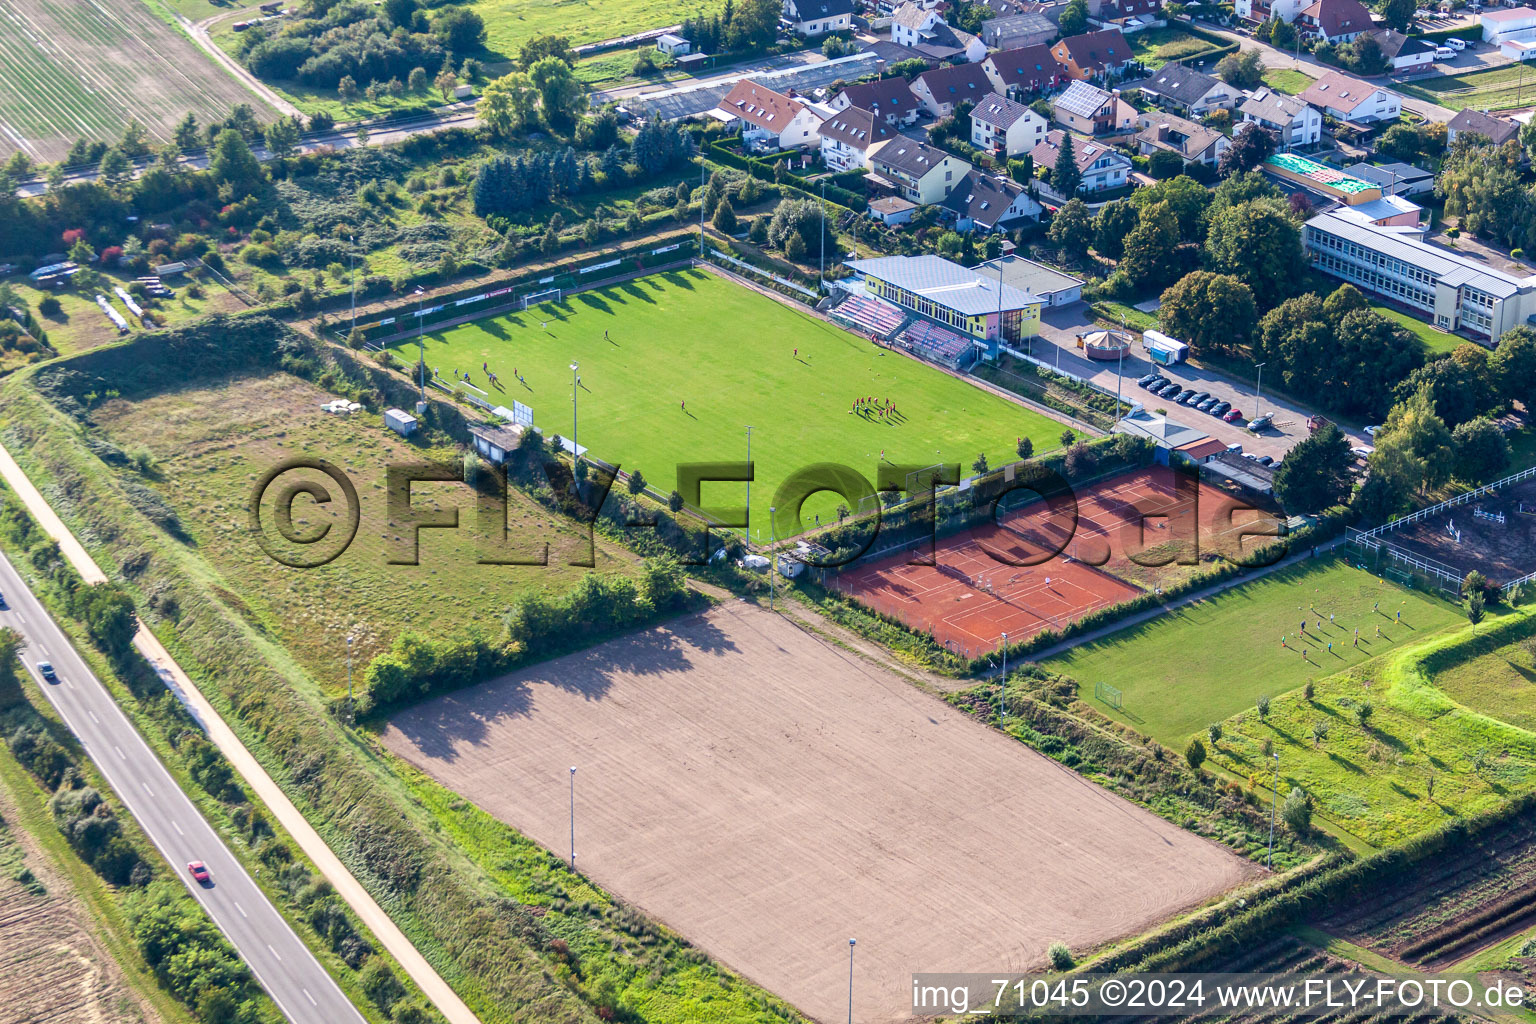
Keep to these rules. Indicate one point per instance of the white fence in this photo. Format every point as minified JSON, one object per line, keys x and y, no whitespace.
{"x":1460,"y":499}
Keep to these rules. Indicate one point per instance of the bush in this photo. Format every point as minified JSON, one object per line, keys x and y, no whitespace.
{"x":49,"y":306}
{"x":1195,"y":753}
{"x":1297,"y":812}
{"x":1060,"y":956}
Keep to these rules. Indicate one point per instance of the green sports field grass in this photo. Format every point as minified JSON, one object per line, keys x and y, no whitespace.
{"x":729,"y":353}
{"x":1506,"y":85}
{"x":1212,"y":659}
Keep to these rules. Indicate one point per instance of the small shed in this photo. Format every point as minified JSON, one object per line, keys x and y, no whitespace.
{"x":463,"y":92}
{"x":496,"y":444}
{"x":693,"y":61}
{"x":673,"y":45}
{"x":401,"y":422}
{"x":892,"y":209}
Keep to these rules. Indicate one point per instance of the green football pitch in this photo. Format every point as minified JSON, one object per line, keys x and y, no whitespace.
{"x":674,"y":368}
{"x":1213,"y":658}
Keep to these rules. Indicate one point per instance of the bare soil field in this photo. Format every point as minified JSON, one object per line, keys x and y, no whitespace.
{"x":770,"y":796}
{"x":1461,"y":539}
{"x":51,"y":967}
{"x":81,"y":69}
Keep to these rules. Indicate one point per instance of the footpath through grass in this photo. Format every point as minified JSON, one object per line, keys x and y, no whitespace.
{"x":674,"y":367}
{"x":1214,"y":658}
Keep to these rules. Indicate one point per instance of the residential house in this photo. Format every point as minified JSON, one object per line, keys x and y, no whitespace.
{"x":1349,"y":99}
{"x":851,"y":136}
{"x":1294,"y":122}
{"x":1101,"y":166}
{"x":818,"y":17}
{"x":1453,"y":291}
{"x":1194,"y":142}
{"x":1395,"y":179}
{"x":940,"y":90}
{"x":1093,"y":54}
{"x":1014,"y":31}
{"x":988,"y":202}
{"x":911,"y":24}
{"x":1517,"y":23}
{"x":1026,"y":71}
{"x":1093,"y":111}
{"x":1129,"y":15}
{"x":771,"y":119}
{"x":889,"y":99}
{"x":1335,"y":21}
{"x":922,"y":173}
{"x":892,"y":209}
{"x":673,"y":46}
{"x":1497,"y":130}
{"x":1001,"y":126}
{"x":1402,"y":53}
{"x":1260,"y":11}
{"x":1187,"y":91}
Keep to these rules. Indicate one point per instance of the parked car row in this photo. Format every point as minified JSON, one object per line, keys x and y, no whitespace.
{"x":1178,"y":394}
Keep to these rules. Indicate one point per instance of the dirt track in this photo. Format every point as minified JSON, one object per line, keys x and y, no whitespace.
{"x":770,"y":796}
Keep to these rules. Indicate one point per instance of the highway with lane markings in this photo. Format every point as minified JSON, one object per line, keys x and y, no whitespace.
{"x":280,"y":961}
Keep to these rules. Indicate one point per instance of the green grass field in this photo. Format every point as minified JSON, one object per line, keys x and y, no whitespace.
{"x":211,"y":442}
{"x":1500,"y":682}
{"x":729,"y":353}
{"x":74,"y":68}
{"x":1488,"y":89}
{"x":1212,"y":659}
{"x":1287,"y":81}
{"x":1155,"y":47}
{"x":1419,"y":761}
{"x":510,"y":23}
{"x":1436,"y":342}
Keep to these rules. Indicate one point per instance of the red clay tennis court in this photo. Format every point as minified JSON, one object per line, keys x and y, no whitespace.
{"x":978,"y":589}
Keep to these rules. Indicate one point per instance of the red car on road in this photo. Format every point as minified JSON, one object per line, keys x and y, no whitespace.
{"x":199,"y":872}
{"x":1233,"y":416}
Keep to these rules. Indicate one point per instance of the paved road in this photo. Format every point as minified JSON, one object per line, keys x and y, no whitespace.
{"x":457,"y":115}
{"x":1310,"y":65}
{"x":1057,"y":346}
{"x":280,"y":961}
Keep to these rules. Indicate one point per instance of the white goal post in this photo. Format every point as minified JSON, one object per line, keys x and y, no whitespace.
{"x":548,"y":295}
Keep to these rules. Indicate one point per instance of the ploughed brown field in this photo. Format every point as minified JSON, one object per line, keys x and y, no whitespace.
{"x":770,"y":795}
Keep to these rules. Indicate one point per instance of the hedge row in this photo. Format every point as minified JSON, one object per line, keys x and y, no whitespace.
{"x":1360,"y":879}
{"x":764,"y":170}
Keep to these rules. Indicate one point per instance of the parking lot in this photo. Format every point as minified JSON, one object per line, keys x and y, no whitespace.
{"x":1057,"y":346}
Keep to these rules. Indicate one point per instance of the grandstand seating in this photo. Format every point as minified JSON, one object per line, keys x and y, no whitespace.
{"x":871,"y":314}
{"x":939,"y":344}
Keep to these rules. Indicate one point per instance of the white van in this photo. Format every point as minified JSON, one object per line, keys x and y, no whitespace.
{"x":1456,"y":44}
{"x":1444,"y":53}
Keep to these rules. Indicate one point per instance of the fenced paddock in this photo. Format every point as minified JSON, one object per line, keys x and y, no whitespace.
{"x":1487,"y":529}
{"x":768,"y":795}
{"x":77,"y":68}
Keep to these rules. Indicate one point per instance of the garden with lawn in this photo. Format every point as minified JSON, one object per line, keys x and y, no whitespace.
{"x":1492,"y":88}
{"x":1155,"y":47}
{"x":674,"y":367}
{"x":1436,"y":342}
{"x":1287,"y":81}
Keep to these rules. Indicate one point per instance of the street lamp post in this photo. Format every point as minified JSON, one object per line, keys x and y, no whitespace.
{"x":1258,"y":389}
{"x":749,"y":474}
{"x":1274,"y":798}
{"x":421,"y":345}
{"x":773,"y":558}
{"x":1002,"y":691}
{"x":352,"y":240}
{"x":349,"y":675}
{"x":575,"y":420}
{"x":821,"y":265}
{"x":851,"y":944}
{"x":573,"y":817}
{"x":1119,"y":368}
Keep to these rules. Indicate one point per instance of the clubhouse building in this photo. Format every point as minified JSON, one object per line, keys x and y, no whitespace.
{"x":978,"y":306}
